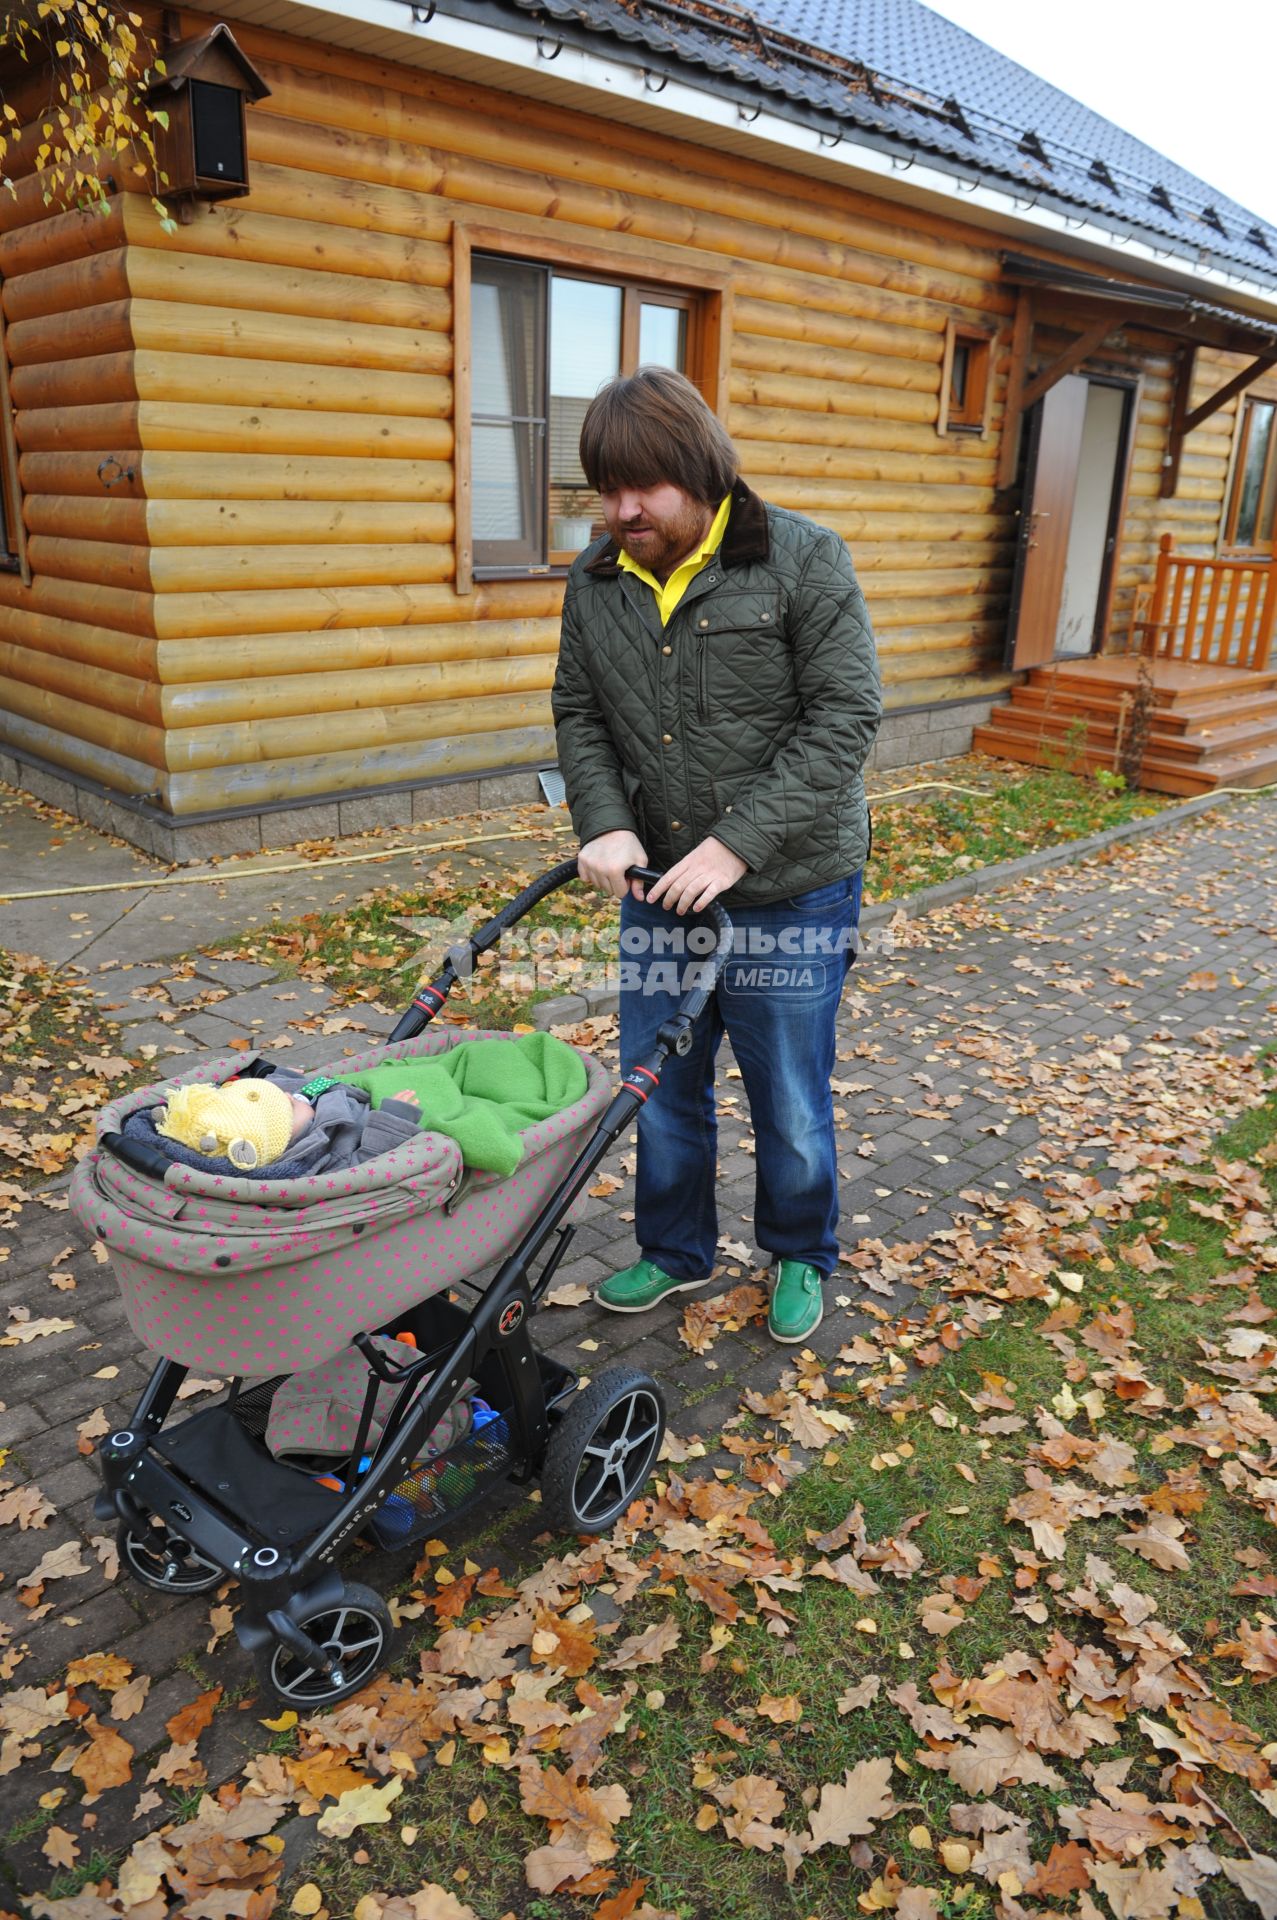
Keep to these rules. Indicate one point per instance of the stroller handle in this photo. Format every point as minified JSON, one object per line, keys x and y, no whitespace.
{"x":429,"y":998}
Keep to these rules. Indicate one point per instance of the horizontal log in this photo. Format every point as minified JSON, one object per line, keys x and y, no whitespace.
{"x":114,"y":771}
{"x":77,"y":518}
{"x":118,"y":693}
{"x":161,"y":274}
{"x":498,"y":740}
{"x":799,"y":396}
{"x":93,"y":562}
{"x":917,"y":372}
{"x":242,"y":476}
{"x":272,"y":430}
{"x":891,"y":617}
{"x":817,"y":498}
{"x":929,"y":583}
{"x":909,"y":649}
{"x":786,"y":424}
{"x":60,"y":237}
{"x":225,"y":523}
{"x":959,"y":462}
{"x":87,"y":601}
{"x":224,"y":332}
{"x":800,"y":326}
{"x":500,"y":180}
{"x":223,"y":656}
{"x":289,"y":232}
{"x":300,"y":610}
{"x":967,"y":664}
{"x":865,"y":528}
{"x":874,"y":559}
{"x":864,"y":300}
{"x":240,"y":742}
{"x":77,"y":640}
{"x":186,"y":570}
{"x":200,"y":379}
{"x":63,"y":714}
{"x":68,"y":287}
{"x":95,"y":430}
{"x":304,"y":696}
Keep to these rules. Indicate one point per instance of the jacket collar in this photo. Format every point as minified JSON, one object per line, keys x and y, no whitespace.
{"x":747,"y":538}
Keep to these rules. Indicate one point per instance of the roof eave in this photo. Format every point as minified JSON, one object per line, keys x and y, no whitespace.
{"x":641,"y":88}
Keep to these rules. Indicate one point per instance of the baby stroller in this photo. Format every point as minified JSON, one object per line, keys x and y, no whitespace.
{"x":258,"y":1280}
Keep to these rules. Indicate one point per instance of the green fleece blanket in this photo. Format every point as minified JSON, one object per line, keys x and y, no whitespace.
{"x":484,"y":1092}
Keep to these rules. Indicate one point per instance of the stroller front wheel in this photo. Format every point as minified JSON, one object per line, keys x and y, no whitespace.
{"x":354,"y":1634}
{"x":162,"y":1560}
{"x":602,"y":1451}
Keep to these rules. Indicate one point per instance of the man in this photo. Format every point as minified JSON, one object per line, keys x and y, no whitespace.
{"x":716,"y":696}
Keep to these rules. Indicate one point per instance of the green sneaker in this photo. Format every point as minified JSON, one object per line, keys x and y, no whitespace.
{"x":635,"y":1289}
{"x":797,"y":1303}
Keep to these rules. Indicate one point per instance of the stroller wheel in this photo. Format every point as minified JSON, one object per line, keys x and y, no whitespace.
{"x":355,"y":1634}
{"x":602,"y":1451}
{"x":164,"y":1561}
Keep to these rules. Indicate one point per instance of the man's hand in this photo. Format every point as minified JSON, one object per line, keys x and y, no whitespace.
{"x":699,"y":877}
{"x":602,"y":863}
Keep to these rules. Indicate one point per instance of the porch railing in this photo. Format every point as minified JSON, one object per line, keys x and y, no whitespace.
{"x":1218,"y":613}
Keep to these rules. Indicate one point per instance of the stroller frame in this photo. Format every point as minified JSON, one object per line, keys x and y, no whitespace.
{"x":297,"y":1612}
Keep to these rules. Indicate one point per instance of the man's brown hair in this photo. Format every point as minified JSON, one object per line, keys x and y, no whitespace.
{"x":651,"y":428}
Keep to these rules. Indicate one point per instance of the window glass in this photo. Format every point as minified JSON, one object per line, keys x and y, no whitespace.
{"x":958,"y":377}
{"x":508,"y":408}
{"x":662,"y":336}
{"x":1255,"y":482}
{"x":585,"y":351}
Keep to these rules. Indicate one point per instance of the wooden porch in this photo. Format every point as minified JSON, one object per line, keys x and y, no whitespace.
{"x":1201,"y":643}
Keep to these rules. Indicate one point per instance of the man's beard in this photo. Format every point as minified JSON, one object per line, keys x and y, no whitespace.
{"x":672,"y":537}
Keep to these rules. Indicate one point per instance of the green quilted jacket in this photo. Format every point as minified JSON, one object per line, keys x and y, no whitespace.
{"x":749,"y":716}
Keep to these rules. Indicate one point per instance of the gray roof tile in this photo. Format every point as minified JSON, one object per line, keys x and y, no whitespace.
{"x":900,"y":76}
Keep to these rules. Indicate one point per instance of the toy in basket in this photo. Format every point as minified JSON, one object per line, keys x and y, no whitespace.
{"x":343,"y":1293}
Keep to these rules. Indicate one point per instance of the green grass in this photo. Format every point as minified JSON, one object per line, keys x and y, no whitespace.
{"x":939,"y":837}
{"x":699,"y":1875}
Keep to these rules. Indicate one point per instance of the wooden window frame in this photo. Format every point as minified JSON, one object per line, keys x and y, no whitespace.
{"x":1228,"y":546}
{"x":709,"y":297}
{"x":974,"y":418}
{"x":13,"y":546}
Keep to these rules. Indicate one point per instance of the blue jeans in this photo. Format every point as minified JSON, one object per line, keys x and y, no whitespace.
{"x":777,"y":1001}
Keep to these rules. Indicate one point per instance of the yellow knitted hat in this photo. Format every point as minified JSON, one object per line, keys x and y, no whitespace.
{"x":248,"y":1122}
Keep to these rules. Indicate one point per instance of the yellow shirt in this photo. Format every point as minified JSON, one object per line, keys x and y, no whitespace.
{"x":669,"y":595}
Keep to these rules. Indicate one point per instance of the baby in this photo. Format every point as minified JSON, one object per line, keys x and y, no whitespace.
{"x":287,"y":1124}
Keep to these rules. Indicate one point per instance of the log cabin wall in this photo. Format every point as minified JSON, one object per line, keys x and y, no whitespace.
{"x":268,"y":610}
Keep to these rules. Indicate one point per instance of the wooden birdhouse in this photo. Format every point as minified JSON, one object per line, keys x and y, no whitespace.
{"x":203,"y":151}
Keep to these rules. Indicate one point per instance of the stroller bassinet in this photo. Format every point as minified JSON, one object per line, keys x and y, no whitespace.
{"x":263,"y":1279}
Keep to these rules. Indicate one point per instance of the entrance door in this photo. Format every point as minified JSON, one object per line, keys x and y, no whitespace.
{"x":1075,"y":467}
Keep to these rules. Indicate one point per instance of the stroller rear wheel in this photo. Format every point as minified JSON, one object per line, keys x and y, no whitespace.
{"x":163,"y":1560}
{"x":354,"y":1634}
{"x":602,"y":1451}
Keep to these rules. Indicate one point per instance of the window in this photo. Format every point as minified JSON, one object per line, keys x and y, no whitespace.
{"x":1250,"y":523}
{"x":544,"y":335}
{"x":965,"y":386}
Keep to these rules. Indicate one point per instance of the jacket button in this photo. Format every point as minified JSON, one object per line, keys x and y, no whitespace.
{"x":668,"y":739}
{"x":704,"y":623}
{"x":667,"y":649}
{"x":676,"y":824}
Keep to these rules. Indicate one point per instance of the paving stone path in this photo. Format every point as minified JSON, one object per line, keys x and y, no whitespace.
{"x":1144,"y":949}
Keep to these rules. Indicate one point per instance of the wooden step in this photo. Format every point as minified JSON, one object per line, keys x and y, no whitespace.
{"x":1176,"y":683}
{"x":1202,"y":711}
{"x":1158,"y":777}
{"x":1244,"y":735}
